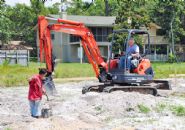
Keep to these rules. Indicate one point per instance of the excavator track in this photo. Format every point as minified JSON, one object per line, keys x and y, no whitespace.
{"x":150,"y":88}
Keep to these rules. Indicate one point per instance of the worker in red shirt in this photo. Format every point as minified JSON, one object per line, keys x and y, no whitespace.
{"x":36,"y":90}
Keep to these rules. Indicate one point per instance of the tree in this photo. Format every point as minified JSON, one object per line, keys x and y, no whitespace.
{"x":131,"y":14}
{"x":95,"y":8}
{"x":38,"y":7}
{"x":170,"y":15}
{"x":54,"y":9}
{"x":133,"y":10}
{"x":5,"y":23}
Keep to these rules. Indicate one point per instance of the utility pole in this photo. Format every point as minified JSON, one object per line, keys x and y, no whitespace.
{"x":106,"y":7}
{"x":172,"y":36}
{"x":172,"y":49}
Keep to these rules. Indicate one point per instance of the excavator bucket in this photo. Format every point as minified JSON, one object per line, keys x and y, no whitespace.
{"x":49,"y":86}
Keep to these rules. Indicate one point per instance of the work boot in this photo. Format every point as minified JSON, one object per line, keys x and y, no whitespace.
{"x":127,"y":71}
{"x":38,"y":117}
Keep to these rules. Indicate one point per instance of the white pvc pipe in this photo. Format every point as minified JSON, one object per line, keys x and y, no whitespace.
{"x":49,"y":18}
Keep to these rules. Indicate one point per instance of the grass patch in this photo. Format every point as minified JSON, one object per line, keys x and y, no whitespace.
{"x":178,"y":110}
{"x":163,"y":70}
{"x":7,"y":129}
{"x":70,"y":70}
{"x":15,"y":75}
{"x":143,"y":108}
{"x":160,"y":107}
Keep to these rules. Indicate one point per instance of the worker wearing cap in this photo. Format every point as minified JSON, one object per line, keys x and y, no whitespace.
{"x":36,"y":90}
{"x":132,"y":52}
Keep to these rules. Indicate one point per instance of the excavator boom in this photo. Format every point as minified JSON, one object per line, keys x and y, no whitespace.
{"x":76,"y":28}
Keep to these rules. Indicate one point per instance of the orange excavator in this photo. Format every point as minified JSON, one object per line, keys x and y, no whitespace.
{"x":110,"y":76}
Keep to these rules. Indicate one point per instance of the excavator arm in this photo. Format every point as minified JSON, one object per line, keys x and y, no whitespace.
{"x":75,"y":28}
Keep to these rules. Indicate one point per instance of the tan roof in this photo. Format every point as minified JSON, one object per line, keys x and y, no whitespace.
{"x":154,"y":25}
{"x":16,"y":45}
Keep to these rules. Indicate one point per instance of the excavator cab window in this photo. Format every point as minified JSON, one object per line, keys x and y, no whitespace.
{"x":120,"y":44}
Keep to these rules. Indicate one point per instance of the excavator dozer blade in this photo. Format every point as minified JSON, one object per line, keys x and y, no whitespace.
{"x":108,"y":89}
{"x":150,"y":88}
{"x":162,"y":84}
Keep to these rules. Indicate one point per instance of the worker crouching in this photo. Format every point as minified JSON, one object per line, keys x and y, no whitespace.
{"x":36,"y":90}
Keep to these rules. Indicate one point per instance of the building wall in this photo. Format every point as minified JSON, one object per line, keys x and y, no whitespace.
{"x":74,"y":53}
{"x":152,"y":31}
{"x":66,"y":51}
{"x":57,"y":44}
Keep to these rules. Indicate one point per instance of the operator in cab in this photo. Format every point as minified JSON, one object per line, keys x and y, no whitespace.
{"x":132,"y":52}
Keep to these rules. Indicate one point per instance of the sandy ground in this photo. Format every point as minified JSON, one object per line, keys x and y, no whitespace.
{"x":93,"y":111}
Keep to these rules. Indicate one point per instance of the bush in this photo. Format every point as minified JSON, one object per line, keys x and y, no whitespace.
{"x":171,"y":58}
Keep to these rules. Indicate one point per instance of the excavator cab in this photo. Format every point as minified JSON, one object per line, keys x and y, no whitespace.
{"x":141,"y":71}
{"x":140,"y":77}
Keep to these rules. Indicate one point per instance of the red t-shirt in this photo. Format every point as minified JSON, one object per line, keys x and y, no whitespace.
{"x":35,"y":88}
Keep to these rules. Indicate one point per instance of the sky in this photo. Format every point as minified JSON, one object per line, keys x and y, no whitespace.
{"x":27,"y":2}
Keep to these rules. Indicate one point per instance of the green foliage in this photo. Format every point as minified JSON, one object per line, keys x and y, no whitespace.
{"x":54,"y":9}
{"x":38,"y":7}
{"x":95,"y":8}
{"x":171,"y":58}
{"x":167,"y":12}
{"x":135,"y":10}
{"x":5,"y":24}
{"x":143,"y":108}
{"x":6,"y":63}
{"x":178,"y":110}
{"x":78,"y":7}
{"x":17,"y":22}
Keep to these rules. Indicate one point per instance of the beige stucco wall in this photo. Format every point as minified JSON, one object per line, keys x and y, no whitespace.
{"x":152,"y":31}
{"x":74,"y":53}
{"x":57,"y":44}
